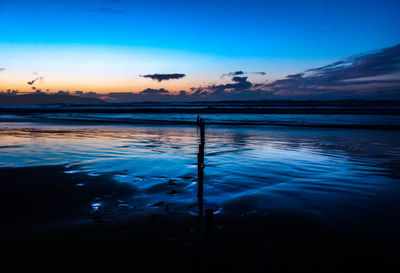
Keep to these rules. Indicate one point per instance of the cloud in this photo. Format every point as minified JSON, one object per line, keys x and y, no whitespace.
{"x":295,"y":76}
{"x":232,"y":74}
{"x":372,"y":75}
{"x":240,"y":83}
{"x":154,"y":91}
{"x":239,"y":89}
{"x":164,"y":77}
{"x":258,"y":73}
{"x":2,"y":69}
{"x":239,"y":79}
{"x":39,"y":78}
{"x":239,"y":73}
{"x":108,"y":10}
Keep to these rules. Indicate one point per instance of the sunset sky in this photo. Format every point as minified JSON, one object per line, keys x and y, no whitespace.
{"x":105,"y":45}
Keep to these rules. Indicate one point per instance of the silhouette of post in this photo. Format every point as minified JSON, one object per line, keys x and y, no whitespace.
{"x":205,"y":222}
{"x":202,"y":132}
{"x":200,"y":165}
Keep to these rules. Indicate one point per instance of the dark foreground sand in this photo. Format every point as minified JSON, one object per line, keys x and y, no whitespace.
{"x":46,"y":224}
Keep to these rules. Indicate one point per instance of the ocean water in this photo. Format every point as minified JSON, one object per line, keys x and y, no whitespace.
{"x":304,"y":120}
{"x":341,"y":175}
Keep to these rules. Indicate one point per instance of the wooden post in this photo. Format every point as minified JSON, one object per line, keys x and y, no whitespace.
{"x":202,"y":132}
{"x":205,"y":224}
{"x":200,"y":166}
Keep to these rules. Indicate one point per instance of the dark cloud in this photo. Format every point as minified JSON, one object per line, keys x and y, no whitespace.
{"x":108,"y":10}
{"x":239,"y":79}
{"x":295,"y":76}
{"x":2,"y":69}
{"x":373,"y":64}
{"x":232,"y":74}
{"x":38,"y":78}
{"x":239,"y":73}
{"x":259,"y":73}
{"x":164,"y":77}
{"x":375,"y":75}
{"x":240,"y":89}
{"x":154,"y":91}
{"x":240,"y":83}
{"x":329,"y":66}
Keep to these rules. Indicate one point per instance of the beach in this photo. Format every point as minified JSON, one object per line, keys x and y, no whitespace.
{"x":106,"y":196}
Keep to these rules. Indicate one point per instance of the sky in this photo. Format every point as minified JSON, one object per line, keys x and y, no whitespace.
{"x":121,"y":46}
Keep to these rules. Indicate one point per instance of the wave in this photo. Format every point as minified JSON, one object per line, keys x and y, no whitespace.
{"x":206,"y":110}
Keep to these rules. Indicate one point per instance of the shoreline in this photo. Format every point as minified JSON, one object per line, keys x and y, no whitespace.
{"x":21,"y":118}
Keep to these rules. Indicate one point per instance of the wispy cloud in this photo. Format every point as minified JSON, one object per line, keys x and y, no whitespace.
{"x":238,"y":73}
{"x":164,"y":77}
{"x":374,"y":74}
{"x":108,"y":10}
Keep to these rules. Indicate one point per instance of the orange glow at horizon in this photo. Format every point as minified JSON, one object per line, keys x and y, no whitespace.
{"x":101,"y":87}
{"x":117,"y":69}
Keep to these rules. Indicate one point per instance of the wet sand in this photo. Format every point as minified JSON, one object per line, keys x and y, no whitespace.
{"x":115,"y":198}
{"x":49,"y":226}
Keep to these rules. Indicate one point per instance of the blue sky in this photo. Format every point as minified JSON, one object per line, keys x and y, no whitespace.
{"x":202,"y":39}
{"x":288,"y":29}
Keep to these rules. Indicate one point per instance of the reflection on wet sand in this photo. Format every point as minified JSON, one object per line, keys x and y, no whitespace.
{"x":288,"y":192}
{"x":242,"y":162}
